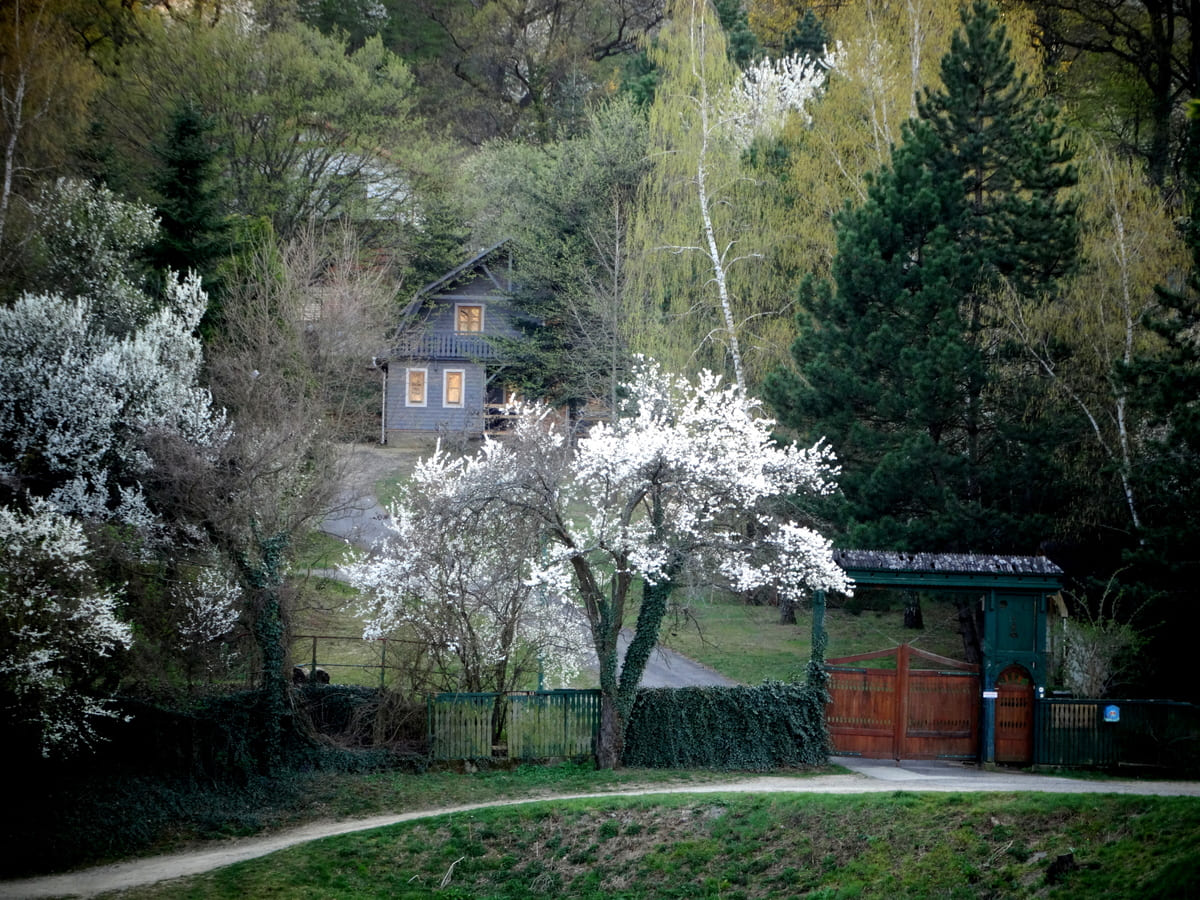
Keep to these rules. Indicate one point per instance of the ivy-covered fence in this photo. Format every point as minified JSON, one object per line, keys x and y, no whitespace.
{"x":775,"y":725}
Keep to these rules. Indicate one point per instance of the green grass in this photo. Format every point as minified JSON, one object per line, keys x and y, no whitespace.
{"x":320,"y":551}
{"x":737,"y":846}
{"x":747,"y":643}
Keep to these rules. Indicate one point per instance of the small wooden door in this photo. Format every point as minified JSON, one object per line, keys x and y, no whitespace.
{"x":1014,"y":716}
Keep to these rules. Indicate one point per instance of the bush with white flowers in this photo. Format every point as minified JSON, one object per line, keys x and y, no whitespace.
{"x":668,"y":487}
{"x":56,"y":628}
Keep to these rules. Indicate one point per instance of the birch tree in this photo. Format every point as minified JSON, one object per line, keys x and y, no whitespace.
{"x":705,"y":226}
{"x":45,"y":85}
{"x":1085,"y":341}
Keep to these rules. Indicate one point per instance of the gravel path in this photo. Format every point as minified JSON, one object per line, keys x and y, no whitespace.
{"x":868,"y":776}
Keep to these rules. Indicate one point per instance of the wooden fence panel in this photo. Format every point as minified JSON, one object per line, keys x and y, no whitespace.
{"x":544,"y":725}
{"x":460,"y":725}
{"x":537,"y":725}
{"x":1161,"y":733}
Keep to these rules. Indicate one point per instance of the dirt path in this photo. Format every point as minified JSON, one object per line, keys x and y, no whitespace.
{"x":868,"y":776}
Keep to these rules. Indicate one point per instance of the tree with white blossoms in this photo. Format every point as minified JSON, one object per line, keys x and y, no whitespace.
{"x":769,"y":91}
{"x":668,"y":487}
{"x":456,"y":579}
{"x":57,"y":626}
{"x":78,"y":404}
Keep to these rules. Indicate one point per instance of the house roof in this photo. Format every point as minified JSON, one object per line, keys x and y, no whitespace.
{"x":948,"y":570}
{"x":450,"y":278}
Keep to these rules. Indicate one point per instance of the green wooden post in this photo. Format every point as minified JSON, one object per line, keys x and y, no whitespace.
{"x":312,"y":672}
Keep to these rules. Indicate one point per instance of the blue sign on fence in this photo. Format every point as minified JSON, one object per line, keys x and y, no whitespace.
{"x":1112,"y":713}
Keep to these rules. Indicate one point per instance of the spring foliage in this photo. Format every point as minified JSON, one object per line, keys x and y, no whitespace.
{"x":681,"y":482}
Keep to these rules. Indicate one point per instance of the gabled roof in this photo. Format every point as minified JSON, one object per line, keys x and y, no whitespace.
{"x":454,"y":275}
{"x":947,"y":569}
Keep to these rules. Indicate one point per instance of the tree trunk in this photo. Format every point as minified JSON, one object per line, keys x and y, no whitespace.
{"x":912,"y":611}
{"x":611,"y":744}
{"x":787,"y":609}
{"x":968,"y":628}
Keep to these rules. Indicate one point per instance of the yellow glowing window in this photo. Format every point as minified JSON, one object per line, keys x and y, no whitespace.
{"x":416,"y":387}
{"x":453,"y":394}
{"x":468,"y":318}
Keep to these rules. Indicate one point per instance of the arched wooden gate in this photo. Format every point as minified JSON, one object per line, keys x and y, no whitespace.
{"x":904,"y":712}
{"x":1014,"y":716}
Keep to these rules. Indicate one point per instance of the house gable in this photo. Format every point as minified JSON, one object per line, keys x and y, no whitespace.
{"x":444,"y":342}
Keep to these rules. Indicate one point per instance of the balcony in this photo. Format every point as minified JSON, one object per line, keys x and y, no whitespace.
{"x":455,"y":345}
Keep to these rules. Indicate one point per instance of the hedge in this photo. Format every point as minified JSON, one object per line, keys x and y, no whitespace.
{"x":774,"y":725}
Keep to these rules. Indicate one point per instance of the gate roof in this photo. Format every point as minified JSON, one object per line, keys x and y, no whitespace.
{"x":949,"y":571}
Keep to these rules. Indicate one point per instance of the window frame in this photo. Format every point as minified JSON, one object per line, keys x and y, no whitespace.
{"x":458,"y":311}
{"x":462,"y":388}
{"x":408,"y":386}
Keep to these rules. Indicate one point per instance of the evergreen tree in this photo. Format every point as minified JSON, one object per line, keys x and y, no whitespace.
{"x":194,"y":231}
{"x":895,"y":364}
{"x":807,"y":38}
{"x":740,"y":42}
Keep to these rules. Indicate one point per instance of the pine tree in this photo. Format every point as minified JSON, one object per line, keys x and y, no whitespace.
{"x":894,"y":361}
{"x":194,"y":230}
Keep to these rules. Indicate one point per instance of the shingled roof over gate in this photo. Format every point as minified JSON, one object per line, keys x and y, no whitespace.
{"x":959,"y":563}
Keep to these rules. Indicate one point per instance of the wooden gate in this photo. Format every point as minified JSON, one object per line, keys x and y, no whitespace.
{"x":1014,"y":716}
{"x":904,"y":712}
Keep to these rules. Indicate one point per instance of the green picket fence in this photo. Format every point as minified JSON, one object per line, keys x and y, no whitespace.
{"x":1162,"y":733}
{"x":534,"y":724}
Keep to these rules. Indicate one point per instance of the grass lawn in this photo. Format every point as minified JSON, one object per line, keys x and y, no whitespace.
{"x":747,"y":643}
{"x":737,"y":846}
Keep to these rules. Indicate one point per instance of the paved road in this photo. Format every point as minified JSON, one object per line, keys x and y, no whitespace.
{"x":666,"y":668}
{"x":866,"y":776}
{"x":358,"y":516}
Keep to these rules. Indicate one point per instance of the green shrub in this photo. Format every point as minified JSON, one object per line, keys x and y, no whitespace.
{"x":775,"y":725}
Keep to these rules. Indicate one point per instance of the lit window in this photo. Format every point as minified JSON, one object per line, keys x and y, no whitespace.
{"x":468,"y":318}
{"x":416,"y":387}
{"x":452,"y":394}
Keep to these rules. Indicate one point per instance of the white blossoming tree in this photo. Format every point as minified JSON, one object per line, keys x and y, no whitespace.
{"x":669,"y":486}
{"x":56,"y":627}
{"x":77,"y":404}
{"x":457,"y":580}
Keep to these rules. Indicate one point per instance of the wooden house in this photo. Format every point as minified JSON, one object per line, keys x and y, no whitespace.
{"x":443,"y":373}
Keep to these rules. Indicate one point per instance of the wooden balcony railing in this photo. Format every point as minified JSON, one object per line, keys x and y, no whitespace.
{"x":447,"y":346}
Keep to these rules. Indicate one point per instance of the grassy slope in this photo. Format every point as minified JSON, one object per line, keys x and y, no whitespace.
{"x":736,"y":846}
{"x":748,"y":644}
